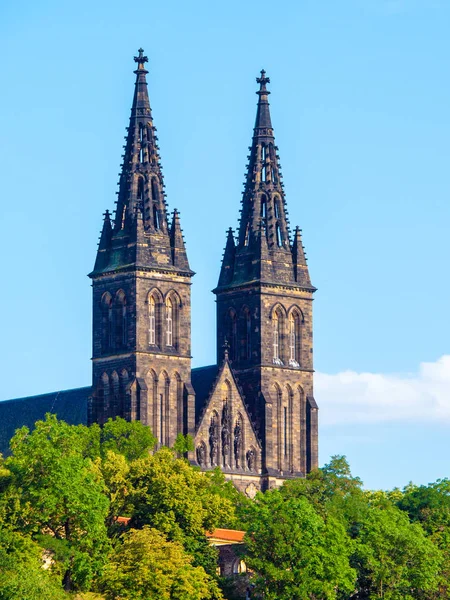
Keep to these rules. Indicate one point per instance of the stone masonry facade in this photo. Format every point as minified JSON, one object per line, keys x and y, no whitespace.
{"x":253,"y":413}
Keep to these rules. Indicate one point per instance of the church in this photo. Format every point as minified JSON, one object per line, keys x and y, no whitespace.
{"x":252,"y":413}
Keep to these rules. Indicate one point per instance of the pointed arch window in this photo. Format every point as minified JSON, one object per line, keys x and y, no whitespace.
{"x":169,"y":322}
{"x":294,"y":339}
{"x":107,"y":323}
{"x":277,"y":322}
{"x":120,"y":320}
{"x":152,"y":321}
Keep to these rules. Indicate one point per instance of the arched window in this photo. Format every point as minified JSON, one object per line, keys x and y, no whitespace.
{"x":120,"y":320}
{"x":294,"y":339}
{"x":276,"y":337}
{"x":169,"y":322}
{"x":152,"y":321}
{"x":107,"y":323}
{"x":277,"y":321}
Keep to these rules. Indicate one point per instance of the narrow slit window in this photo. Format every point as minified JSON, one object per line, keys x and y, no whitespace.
{"x":152,"y":320}
{"x":169,"y":323}
{"x":124,"y":324}
{"x":277,"y":208}
{"x":248,"y":327}
{"x":292,"y":340}
{"x":279,"y":240}
{"x":276,"y":337}
{"x":285,"y":432}
{"x":155,"y":217}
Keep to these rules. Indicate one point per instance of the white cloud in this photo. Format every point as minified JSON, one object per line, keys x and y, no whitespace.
{"x":351,"y":397}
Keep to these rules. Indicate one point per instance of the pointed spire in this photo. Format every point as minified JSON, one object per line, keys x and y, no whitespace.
{"x":226,"y":272}
{"x":179,"y":256}
{"x":141,"y":178}
{"x":263,"y":250}
{"x":301,"y":271}
{"x":263,"y":121}
{"x":140,"y":234}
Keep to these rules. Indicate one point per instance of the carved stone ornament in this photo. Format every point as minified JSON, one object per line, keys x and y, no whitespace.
{"x":201,"y":455}
{"x":251,"y":490}
{"x":251,"y":460}
{"x":213,"y":441}
{"x":237,"y":443}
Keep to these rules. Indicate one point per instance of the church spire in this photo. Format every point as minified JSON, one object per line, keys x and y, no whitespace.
{"x":141,"y":180}
{"x":263,"y":250}
{"x":140,"y":235}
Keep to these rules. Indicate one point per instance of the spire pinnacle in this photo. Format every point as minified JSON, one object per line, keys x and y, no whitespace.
{"x":263,"y":80}
{"x":141,"y":60}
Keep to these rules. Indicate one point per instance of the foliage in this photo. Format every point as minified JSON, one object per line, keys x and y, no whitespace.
{"x":295,"y":552}
{"x":59,"y":497}
{"x":144,"y":565}
{"x":21,"y":574}
{"x":393,"y":557}
{"x":131,"y":439}
{"x":171,"y":496}
{"x":183,"y":444}
{"x":322,"y":537}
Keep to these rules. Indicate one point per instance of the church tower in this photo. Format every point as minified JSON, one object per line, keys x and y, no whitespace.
{"x":264,"y":312}
{"x":141,"y":294}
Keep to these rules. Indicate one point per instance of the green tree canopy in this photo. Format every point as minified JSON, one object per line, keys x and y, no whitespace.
{"x":22,"y":576}
{"x":57,"y":495}
{"x":145,"y":566}
{"x":296,"y":553}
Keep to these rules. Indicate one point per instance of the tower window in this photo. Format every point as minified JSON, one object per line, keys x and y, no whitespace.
{"x":294,"y":340}
{"x":231,"y":333}
{"x":285,"y":432}
{"x":155,"y":217}
{"x":169,"y":322}
{"x":152,"y":321}
{"x":279,"y":239}
{"x":276,"y":337}
{"x":124,"y":325}
{"x":277,"y":208}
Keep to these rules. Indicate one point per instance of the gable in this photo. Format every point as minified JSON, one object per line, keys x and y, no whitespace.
{"x":225,"y":435}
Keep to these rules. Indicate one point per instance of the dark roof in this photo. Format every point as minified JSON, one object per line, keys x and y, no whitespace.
{"x":68,"y":405}
{"x":202,"y":382}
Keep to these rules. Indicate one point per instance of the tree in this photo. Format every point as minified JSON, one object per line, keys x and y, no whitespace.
{"x":430,"y":507}
{"x":22,"y":576}
{"x":170,"y":495}
{"x":56,"y":494}
{"x":132,"y":439}
{"x":145,"y":566}
{"x":295,"y":553}
{"x":393,"y":557}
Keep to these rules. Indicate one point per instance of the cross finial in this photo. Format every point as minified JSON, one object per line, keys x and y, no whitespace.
{"x":141,"y":59}
{"x":263,"y":80}
{"x":226,"y":347}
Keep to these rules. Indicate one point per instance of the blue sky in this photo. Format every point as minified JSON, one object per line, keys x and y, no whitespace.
{"x":360,"y":106}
